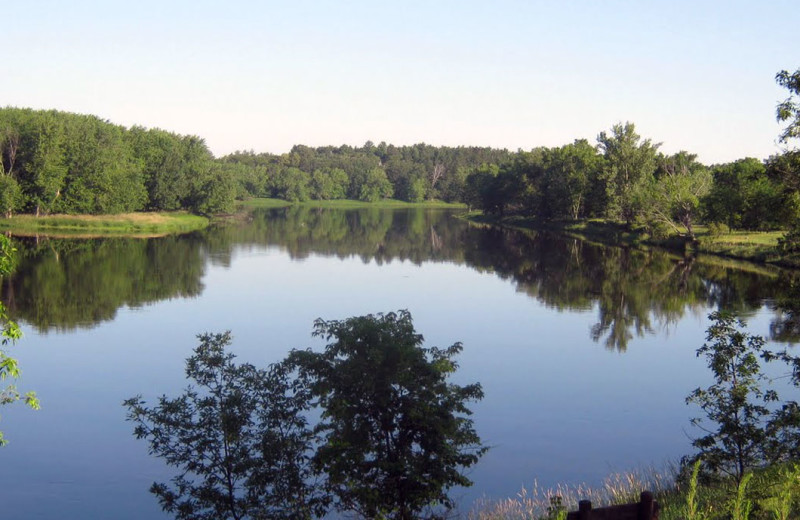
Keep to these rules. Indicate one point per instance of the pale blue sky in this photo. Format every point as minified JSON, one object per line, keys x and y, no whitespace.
{"x":695,"y":75}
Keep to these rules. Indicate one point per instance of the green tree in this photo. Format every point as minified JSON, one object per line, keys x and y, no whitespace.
{"x":570,"y":175}
{"x":789,"y":109}
{"x":10,"y":195}
{"x":672,"y":197}
{"x":629,"y":162}
{"x":476,"y":186}
{"x":166,"y":163}
{"x":329,"y":183}
{"x":726,"y":201}
{"x":395,"y":433}
{"x":735,"y":404}
{"x":416,"y":189}
{"x":293,"y":184}
{"x":215,"y":194}
{"x":46,"y":170}
{"x":9,"y":368}
{"x":376,"y":186}
{"x":238,"y":436}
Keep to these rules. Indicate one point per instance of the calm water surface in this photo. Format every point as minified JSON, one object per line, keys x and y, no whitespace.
{"x":585,"y":353}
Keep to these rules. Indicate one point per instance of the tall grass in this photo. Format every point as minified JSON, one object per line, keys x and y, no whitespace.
{"x":100,"y":225}
{"x":537,"y":503}
{"x":771,"y":493}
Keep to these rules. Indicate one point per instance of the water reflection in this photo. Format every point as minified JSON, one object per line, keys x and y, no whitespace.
{"x":63,"y":284}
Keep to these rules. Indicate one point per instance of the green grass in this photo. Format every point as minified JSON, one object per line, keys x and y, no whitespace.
{"x":759,"y":246}
{"x":350,"y":204}
{"x":85,"y":226}
{"x":265,"y":203}
{"x":771,"y":493}
{"x":752,"y":246}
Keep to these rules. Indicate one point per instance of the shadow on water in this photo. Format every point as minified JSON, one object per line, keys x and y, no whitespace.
{"x":63,"y":284}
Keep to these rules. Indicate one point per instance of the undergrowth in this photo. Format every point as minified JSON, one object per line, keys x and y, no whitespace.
{"x":771,"y":493}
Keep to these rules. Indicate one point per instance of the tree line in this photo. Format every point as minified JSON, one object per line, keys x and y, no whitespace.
{"x":625,"y":178}
{"x":69,"y":163}
{"x":59,"y":162}
{"x":368,"y":173}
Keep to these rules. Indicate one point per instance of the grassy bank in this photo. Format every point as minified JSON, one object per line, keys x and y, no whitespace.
{"x":85,"y":226}
{"x":752,"y":246}
{"x":772,"y":493}
{"x":351,"y":204}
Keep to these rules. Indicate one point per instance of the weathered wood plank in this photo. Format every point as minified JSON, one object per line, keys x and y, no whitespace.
{"x":645,"y":509}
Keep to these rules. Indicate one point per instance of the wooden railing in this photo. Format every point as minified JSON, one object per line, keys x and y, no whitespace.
{"x":645,"y":509}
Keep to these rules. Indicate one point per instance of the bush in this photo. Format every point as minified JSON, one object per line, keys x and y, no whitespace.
{"x":716,"y":229}
{"x":790,"y":242}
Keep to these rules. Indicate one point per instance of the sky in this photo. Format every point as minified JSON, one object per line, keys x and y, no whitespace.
{"x":264,"y":76}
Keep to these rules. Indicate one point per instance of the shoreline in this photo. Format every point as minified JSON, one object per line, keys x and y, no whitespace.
{"x":140,"y":225}
{"x":757,"y":247}
{"x":349,"y":204}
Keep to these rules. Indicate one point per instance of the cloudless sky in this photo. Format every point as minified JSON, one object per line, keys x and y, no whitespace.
{"x":694,"y":75}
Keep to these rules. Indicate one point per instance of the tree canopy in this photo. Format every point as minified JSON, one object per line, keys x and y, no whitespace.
{"x":238,"y":437}
{"x":393,"y":435}
{"x":789,"y":110}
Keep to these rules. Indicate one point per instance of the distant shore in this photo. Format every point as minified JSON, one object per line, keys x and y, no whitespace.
{"x":752,"y":246}
{"x":351,"y":204}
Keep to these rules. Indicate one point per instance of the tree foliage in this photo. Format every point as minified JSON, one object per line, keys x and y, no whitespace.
{"x":735,"y":404}
{"x":10,"y":333}
{"x":630,"y":161}
{"x":789,"y":109}
{"x":672,"y":197}
{"x":395,"y":434}
{"x":72,"y":163}
{"x":376,"y":186}
{"x":238,"y":436}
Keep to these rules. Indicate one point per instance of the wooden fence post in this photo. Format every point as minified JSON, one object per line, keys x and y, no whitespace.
{"x":646,"y":506}
{"x":584,"y":510}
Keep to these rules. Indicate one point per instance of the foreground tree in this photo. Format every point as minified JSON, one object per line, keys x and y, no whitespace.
{"x":238,"y":438}
{"x":789,"y":109}
{"x":735,"y":405}
{"x":9,"y":368}
{"x":395,"y":433}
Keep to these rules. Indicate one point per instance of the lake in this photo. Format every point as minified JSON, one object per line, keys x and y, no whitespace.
{"x":585,"y":352}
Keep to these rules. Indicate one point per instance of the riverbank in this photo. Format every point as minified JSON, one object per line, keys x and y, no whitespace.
{"x":88,"y":226}
{"x":752,"y":246}
{"x":351,"y":204}
{"x":768,"y":493}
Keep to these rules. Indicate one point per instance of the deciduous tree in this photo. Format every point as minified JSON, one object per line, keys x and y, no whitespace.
{"x":789,"y":109}
{"x":629,"y":162}
{"x":672,"y":197}
{"x":396,"y":435}
{"x":9,"y":368}
{"x":735,"y":441}
{"x":238,"y":437}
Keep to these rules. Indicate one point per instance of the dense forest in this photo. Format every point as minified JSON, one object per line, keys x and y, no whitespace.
{"x":58,"y":162}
